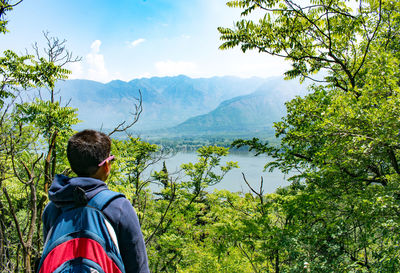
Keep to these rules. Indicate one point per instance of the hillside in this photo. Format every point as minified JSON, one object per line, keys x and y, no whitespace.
{"x":254,"y":112}
{"x":188,"y":106}
{"x":167,"y":101}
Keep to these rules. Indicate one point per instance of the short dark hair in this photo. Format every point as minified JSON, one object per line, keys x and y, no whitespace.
{"x":86,"y":150}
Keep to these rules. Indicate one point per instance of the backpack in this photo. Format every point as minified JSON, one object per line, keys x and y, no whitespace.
{"x":83,"y":240}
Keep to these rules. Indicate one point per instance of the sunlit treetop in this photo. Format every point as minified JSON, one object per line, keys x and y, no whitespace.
{"x":340,"y":37}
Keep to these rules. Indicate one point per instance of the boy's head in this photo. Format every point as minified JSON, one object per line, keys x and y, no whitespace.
{"x":86,"y":150}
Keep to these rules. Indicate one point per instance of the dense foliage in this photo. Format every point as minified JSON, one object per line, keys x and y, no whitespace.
{"x":341,"y":212}
{"x":344,"y":136}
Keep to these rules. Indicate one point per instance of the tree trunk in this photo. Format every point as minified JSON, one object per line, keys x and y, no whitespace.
{"x":277,"y":262}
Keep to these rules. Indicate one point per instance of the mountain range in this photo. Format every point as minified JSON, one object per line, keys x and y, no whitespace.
{"x":182,"y":105}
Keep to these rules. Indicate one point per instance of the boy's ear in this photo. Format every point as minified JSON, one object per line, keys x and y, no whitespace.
{"x":102,"y":172}
{"x":107,"y":166}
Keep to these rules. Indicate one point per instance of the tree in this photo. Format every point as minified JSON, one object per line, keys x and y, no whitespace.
{"x":22,"y":181}
{"x":343,"y":136}
{"x":5,"y":7}
{"x":22,"y":128}
{"x":176,"y":225}
{"x":321,"y":35}
{"x":136,"y":156}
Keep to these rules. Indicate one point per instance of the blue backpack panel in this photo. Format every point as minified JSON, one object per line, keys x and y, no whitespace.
{"x":82,"y":240}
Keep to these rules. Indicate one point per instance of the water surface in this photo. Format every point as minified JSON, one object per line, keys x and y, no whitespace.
{"x":252,"y":167}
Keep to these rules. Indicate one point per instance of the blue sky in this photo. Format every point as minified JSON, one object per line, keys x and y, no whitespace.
{"x":127,"y":39}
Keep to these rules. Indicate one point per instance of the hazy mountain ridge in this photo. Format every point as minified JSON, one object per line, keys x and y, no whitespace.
{"x":186,"y":104}
{"x":254,"y":112}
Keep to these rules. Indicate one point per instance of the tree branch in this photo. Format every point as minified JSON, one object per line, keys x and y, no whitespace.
{"x":138,"y":110}
{"x":14,"y":216}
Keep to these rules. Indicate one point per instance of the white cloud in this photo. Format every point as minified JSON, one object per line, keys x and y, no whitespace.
{"x":137,"y":42}
{"x":96,"y":46}
{"x":96,"y":66}
{"x":170,"y":68}
{"x":92,"y":67}
{"x":76,"y":69}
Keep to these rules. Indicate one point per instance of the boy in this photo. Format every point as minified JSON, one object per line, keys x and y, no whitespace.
{"x":88,"y":153}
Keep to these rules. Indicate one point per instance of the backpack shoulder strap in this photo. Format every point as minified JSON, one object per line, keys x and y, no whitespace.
{"x":103,"y":198}
{"x":99,"y":202}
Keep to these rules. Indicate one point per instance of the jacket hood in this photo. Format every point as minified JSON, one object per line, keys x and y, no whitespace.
{"x":63,"y":189}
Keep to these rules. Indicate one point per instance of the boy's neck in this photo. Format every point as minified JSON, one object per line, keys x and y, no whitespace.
{"x":101,"y":174}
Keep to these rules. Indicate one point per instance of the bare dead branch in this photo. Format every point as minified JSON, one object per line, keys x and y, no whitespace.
{"x":136,"y":114}
{"x":259,"y":194}
{"x":55,"y":51}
